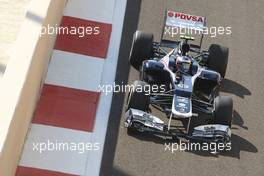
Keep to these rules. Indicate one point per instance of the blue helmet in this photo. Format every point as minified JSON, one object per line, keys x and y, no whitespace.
{"x":183,"y":64}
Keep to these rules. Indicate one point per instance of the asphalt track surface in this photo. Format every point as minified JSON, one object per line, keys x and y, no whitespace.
{"x":126,"y":155}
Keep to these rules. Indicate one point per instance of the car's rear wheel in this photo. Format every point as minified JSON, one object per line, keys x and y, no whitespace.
{"x":223,"y":110}
{"x":218,"y":58}
{"x":138,"y":98}
{"x":141,"y":48}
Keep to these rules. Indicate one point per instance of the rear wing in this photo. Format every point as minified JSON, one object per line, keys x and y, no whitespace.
{"x":182,"y":20}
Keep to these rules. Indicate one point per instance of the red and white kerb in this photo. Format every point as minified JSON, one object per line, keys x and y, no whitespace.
{"x":68,"y":103}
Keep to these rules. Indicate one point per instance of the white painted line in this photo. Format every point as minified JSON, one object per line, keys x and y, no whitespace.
{"x":75,"y":71}
{"x":95,"y":10}
{"x":94,"y":160}
{"x":67,"y":161}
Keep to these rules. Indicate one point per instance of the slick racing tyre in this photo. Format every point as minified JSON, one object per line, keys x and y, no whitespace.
{"x":138,"y":98}
{"x":223,"y":110}
{"x":218,"y":59}
{"x":137,"y":127}
{"x":141,"y":48}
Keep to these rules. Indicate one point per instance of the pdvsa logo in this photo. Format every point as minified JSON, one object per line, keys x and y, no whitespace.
{"x":184,"y":16}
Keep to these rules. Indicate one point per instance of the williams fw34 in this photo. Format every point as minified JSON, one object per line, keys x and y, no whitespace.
{"x":190,"y":78}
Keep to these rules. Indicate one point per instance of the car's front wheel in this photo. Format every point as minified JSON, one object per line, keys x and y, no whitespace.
{"x":223,"y":110}
{"x":138,"y":97}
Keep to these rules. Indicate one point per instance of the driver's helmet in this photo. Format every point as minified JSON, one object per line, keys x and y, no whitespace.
{"x":183,"y":64}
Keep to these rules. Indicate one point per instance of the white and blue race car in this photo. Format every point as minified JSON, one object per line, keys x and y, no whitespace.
{"x":187,"y":80}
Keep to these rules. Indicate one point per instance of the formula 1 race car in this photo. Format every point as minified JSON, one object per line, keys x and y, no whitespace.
{"x":187,"y":80}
